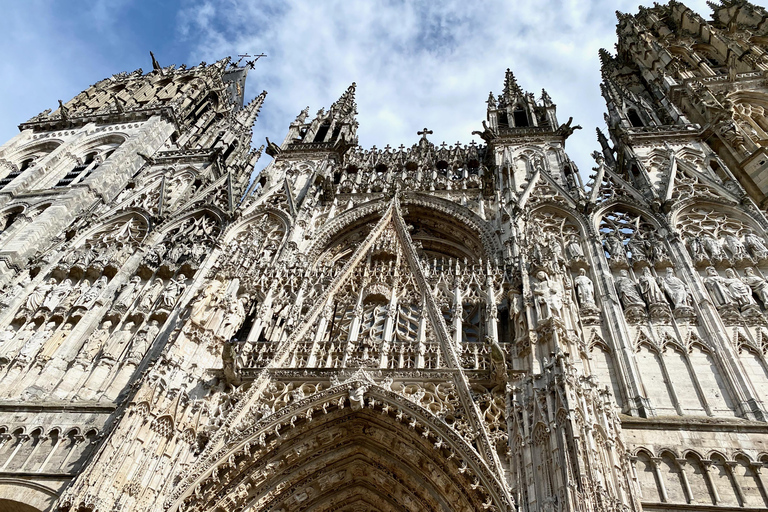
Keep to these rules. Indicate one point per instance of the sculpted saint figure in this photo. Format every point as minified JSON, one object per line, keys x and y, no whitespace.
{"x":118,"y":342}
{"x":176,"y":287}
{"x":658,"y":250}
{"x":756,"y":245}
{"x":151,"y":295}
{"x":637,"y":246}
{"x":51,"y":346}
{"x":758,"y":285}
{"x":202,"y":308}
{"x":234,"y":318}
{"x":585,"y":289}
{"x":627,"y":290}
{"x":712,"y":247}
{"x":144,"y":339}
{"x":548,"y":296}
{"x":717,"y":287}
{"x":615,"y":248}
{"x":697,"y":249}
{"x":556,"y":248}
{"x":58,"y":294}
{"x":517,"y":313}
{"x":128,"y":293}
{"x":97,"y":340}
{"x":735,"y":247}
{"x":650,"y":289}
{"x":575,"y":251}
{"x":36,"y":298}
{"x":36,"y":341}
{"x":88,"y":299}
{"x":675,"y":289}
{"x":739,"y":290}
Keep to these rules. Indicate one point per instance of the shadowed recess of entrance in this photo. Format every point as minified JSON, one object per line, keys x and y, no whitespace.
{"x":363,"y":458}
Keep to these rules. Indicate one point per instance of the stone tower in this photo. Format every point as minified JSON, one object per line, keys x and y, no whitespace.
{"x":432,"y":327}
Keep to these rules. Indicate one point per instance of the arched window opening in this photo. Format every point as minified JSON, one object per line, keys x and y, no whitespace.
{"x":336,"y":133}
{"x":26,"y":164}
{"x":718,"y":170}
{"x":72,"y":176}
{"x":503,"y":119}
{"x":520,"y":118}
{"x":322,"y":132}
{"x":634,"y":118}
{"x":7,"y":220}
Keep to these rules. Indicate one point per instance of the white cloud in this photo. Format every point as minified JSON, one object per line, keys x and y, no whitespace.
{"x":416,"y":63}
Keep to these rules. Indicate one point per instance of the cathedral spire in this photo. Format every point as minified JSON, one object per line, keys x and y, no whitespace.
{"x":338,"y":123}
{"x":345,"y":106}
{"x":511,"y":88}
{"x":248,"y":114}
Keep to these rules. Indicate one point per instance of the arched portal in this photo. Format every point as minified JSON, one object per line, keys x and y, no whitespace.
{"x":340,"y":450}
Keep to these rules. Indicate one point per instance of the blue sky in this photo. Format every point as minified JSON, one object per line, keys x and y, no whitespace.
{"x":416,"y":63}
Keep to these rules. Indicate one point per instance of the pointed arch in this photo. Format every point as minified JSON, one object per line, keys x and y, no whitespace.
{"x":357,"y":440}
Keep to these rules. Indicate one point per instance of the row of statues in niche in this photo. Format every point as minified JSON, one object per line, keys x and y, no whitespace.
{"x":732,"y":290}
{"x":639,"y":247}
{"x":49,"y":347}
{"x":548,"y":248}
{"x":219,"y":310}
{"x":65,"y":295}
{"x":705,"y":248}
{"x":650,"y":290}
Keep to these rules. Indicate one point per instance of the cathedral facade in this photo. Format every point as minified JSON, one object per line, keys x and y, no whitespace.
{"x":433,"y":327}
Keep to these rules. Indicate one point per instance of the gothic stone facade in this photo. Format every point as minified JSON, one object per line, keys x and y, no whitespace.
{"x":433,"y":327}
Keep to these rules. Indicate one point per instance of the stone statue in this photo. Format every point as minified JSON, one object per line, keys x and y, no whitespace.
{"x":555,"y":248}
{"x":658,"y":250}
{"x":128,"y":293}
{"x":36,"y":298}
{"x":712,"y":248}
{"x":55,"y":341}
{"x":756,"y":246}
{"x":88,"y":299}
{"x":758,"y":285}
{"x":37,"y":340}
{"x":118,"y":342}
{"x":95,"y":342}
{"x":585,"y":289}
{"x":7,"y":334}
{"x":151,"y":295}
{"x":574,"y":249}
{"x":144,"y":339}
{"x":717,"y":287}
{"x":637,"y":246}
{"x":627,"y":291}
{"x":233,"y":319}
{"x":697,"y":249}
{"x":739,"y":290}
{"x":650,"y":289}
{"x":615,"y":248}
{"x":735,"y":247}
{"x":175,"y":287}
{"x":549,"y":296}
{"x":58,"y":294}
{"x":675,"y":289}
{"x":517,"y":313}
{"x":202,"y":308}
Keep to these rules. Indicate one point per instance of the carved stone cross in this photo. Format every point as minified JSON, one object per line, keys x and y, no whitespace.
{"x":424,"y":133}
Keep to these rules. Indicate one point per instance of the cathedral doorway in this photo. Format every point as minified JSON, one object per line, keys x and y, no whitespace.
{"x":361,"y":454}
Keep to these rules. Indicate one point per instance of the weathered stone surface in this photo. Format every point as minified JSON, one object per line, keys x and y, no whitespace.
{"x":431,"y":327}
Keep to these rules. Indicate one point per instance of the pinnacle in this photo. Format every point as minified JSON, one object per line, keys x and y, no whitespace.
{"x":346,"y":105}
{"x":247,"y":115}
{"x":511,"y":87}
